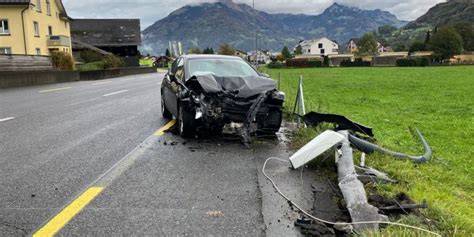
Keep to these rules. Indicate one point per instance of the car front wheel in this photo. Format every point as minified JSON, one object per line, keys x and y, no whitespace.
{"x":164,"y":111}
{"x":186,"y":122}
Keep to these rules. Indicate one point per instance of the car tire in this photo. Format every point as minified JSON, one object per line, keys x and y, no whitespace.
{"x":186,"y":122}
{"x":164,"y":111}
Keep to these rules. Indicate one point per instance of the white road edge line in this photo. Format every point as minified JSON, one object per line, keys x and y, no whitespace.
{"x":6,"y":119}
{"x":56,"y":89}
{"x":82,"y":102}
{"x":114,"y":93}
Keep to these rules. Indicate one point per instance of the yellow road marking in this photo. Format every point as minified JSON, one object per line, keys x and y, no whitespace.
{"x":101,"y":83}
{"x":164,"y":128}
{"x":57,"y":89}
{"x":66,"y":215}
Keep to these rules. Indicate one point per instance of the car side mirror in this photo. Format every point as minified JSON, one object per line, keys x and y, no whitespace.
{"x":264,"y":75}
{"x":172,"y":78}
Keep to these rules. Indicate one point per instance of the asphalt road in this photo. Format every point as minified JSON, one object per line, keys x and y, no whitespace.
{"x":60,"y":143}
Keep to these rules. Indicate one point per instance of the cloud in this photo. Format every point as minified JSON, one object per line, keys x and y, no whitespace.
{"x":150,"y":11}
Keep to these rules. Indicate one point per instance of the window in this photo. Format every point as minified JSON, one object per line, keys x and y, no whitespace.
{"x":38,"y":5}
{"x":322,"y":51}
{"x":221,"y":67}
{"x":180,"y":70}
{"x":50,"y":30}
{"x":4,"y":28}
{"x":309,"y":50}
{"x":48,"y":7}
{"x":36,"y":29}
{"x":320,"y":45}
{"x":5,"y":50}
{"x":38,"y":51}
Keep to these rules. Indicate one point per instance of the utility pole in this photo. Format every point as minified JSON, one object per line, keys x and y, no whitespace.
{"x":255,"y":31}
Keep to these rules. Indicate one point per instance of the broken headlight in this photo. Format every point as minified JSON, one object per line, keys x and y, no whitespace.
{"x":278,"y":95}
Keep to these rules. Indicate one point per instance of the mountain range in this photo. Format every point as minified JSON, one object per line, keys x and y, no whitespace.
{"x":445,"y":13}
{"x":211,"y":24}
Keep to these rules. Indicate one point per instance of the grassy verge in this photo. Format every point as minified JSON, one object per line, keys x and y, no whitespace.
{"x":99,"y":65}
{"x":437,"y":100}
{"x":146,"y":62}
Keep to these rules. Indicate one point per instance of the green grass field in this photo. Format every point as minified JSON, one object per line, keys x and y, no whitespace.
{"x":146,"y":62}
{"x":437,"y":100}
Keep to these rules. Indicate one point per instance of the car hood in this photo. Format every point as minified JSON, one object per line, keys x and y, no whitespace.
{"x":245,"y":86}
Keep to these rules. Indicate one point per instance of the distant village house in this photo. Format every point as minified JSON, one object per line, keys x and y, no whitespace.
{"x":352,"y":46}
{"x":120,"y":37}
{"x":241,"y":54}
{"x":322,"y":47}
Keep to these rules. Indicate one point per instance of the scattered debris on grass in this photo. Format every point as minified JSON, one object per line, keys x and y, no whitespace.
{"x":366,"y":213}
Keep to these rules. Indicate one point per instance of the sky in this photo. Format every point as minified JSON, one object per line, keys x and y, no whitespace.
{"x":150,"y":11}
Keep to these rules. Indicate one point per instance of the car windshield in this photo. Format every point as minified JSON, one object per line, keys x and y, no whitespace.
{"x":221,"y":68}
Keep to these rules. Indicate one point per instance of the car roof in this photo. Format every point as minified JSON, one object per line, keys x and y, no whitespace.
{"x":214,"y":56}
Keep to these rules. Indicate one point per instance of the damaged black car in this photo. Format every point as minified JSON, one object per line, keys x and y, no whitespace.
{"x":207,"y":92}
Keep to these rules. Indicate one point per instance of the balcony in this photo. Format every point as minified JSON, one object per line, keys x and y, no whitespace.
{"x":59,"y":41}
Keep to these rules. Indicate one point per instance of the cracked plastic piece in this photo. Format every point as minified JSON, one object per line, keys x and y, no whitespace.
{"x":314,"y":119}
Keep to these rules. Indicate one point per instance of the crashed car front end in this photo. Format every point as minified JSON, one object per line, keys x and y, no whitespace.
{"x":252,"y":102}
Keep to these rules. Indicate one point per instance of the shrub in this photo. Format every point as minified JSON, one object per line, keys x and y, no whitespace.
{"x":326,"y":61}
{"x":91,"y":56}
{"x":62,"y":61}
{"x":413,"y":62}
{"x":276,"y":65}
{"x":357,"y":63}
{"x":112,"y":61}
{"x":302,"y":62}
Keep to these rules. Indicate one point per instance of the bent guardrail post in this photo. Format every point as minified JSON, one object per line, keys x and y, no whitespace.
{"x":369,"y":148}
{"x":353,"y":190}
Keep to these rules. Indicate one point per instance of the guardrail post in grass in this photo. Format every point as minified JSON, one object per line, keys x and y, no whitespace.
{"x":299,"y":108}
{"x":279,"y":80}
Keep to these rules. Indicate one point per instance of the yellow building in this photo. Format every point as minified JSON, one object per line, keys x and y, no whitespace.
{"x":34,"y":27}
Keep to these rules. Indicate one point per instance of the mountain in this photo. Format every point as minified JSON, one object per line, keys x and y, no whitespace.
{"x":450,"y":12}
{"x":445,"y":13}
{"x":211,"y":24}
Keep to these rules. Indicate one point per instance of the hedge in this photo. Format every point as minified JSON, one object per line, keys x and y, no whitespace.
{"x":413,"y":62}
{"x":301,"y":63}
{"x":62,"y":61}
{"x":276,"y":65}
{"x":357,"y":63}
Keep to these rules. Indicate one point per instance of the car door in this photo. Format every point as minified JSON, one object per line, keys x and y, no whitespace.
{"x":167,"y":88}
{"x":172,"y":88}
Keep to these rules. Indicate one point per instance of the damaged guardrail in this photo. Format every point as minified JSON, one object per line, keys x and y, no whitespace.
{"x":368,"y":147}
{"x":364,"y":216}
{"x":343,"y":139}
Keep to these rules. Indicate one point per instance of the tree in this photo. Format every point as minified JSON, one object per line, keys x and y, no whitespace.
{"x":286,"y":53}
{"x":446,"y":43}
{"x":226,"y":49}
{"x":466,"y":31}
{"x":428,"y":38}
{"x":386,"y":29}
{"x":416,"y":47}
{"x":299,"y":50}
{"x":167,"y":53}
{"x":367,"y":45}
{"x":208,"y":51}
{"x":400,"y":47}
{"x":280,"y":58}
{"x":195,"y":51}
